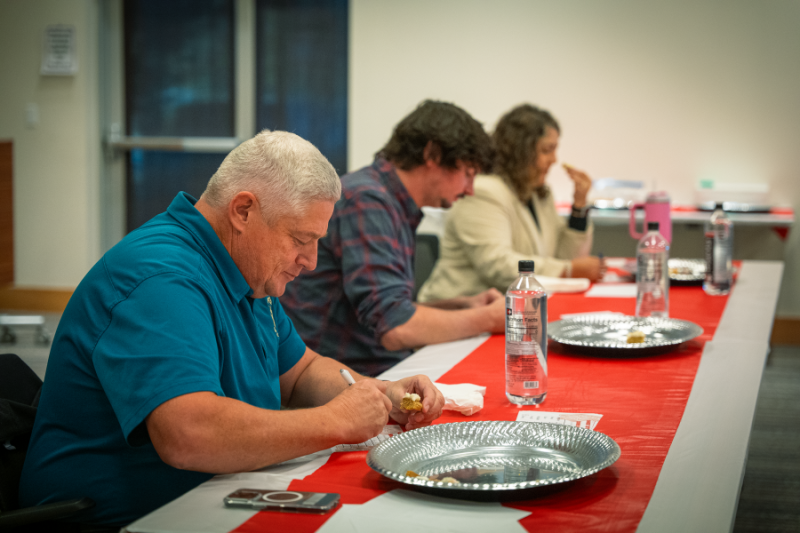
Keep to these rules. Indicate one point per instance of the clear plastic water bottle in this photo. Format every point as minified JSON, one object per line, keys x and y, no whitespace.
{"x":652,"y":274}
{"x":526,"y":339}
{"x":719,"y":253}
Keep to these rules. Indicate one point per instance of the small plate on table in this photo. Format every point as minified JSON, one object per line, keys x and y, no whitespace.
{"x":609,"y":335}
{"x":686,"y":271}
{"x":492,"y":460}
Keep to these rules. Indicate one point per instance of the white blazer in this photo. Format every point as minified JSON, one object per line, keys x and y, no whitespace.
{"x":486,"y":235}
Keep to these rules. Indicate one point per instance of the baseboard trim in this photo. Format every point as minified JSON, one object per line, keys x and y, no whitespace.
{"x":786,"y":330}
{"x":34,"y":299}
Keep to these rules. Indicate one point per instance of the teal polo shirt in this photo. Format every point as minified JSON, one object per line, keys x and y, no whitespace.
{"x":166,"y":312}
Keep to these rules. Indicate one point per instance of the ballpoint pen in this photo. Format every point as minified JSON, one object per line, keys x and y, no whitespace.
{"x":374,"y":441}
{"x":603,"y":267}
{"x":347,"y":377}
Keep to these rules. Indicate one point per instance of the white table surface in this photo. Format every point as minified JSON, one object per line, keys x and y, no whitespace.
{"x":698,"y":488}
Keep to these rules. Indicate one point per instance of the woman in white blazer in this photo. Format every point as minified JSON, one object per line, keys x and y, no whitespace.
{"x":512,"y":216}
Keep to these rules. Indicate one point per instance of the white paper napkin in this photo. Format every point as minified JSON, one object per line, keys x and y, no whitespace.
{"x":465,"y":398}
{"x":554,"y":285}
{"x":612,"y":290}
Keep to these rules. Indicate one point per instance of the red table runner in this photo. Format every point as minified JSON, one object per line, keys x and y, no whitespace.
{"x":641,"y":400}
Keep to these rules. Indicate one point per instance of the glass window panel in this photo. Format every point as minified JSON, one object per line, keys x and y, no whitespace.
{"x":179,"y":67}
{"x":155,"y":177}
{"x":302,"y":72}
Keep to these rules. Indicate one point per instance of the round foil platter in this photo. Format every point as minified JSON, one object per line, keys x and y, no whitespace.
{"x":609,"y":336}
{"x":492,"y":456}
{"x":686,"y":271}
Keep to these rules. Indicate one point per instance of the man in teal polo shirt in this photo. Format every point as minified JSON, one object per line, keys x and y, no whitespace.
{"x":173,"y":358}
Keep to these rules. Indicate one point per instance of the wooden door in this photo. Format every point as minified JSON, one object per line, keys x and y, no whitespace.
{"x":6,"y":214}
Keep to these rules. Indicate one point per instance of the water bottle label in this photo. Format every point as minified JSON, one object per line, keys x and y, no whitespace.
{"x":649,"y":269}
{"x":526,"y":375}
{"x":652,"y":283}
{"x":718,"y":256}
{"x":521,"y":348}
{"x":528,"y":322}
{"x":709,"y":249}
{"x":525,"y":357}
{"x":526,"y":345}
{"x":722,"y":259}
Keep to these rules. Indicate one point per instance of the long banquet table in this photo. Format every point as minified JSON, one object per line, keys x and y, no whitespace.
{"x":682,"y":420}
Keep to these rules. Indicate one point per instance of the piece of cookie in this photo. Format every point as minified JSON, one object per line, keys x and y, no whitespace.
{"x":411,"y":402}
{"x":635,"y":337}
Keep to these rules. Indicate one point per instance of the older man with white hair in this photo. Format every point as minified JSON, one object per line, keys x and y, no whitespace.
{"x":174,"y":358}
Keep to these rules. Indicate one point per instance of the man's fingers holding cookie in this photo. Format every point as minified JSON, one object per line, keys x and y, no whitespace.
{"x":411,"y":402}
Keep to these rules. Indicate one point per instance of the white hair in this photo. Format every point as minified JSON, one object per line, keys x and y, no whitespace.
{"x":284,"y":171}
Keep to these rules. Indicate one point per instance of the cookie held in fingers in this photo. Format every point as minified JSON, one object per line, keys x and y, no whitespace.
{"x":411,"y":402}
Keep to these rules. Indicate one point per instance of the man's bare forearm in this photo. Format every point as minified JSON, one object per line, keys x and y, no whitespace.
{"x":461,"y":302}
{"x":206,"y":433}
{"x":319,"y":383}
{"x":431,"y":326}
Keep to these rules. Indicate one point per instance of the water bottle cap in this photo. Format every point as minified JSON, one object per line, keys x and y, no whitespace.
{"x":652,"y":226}
{"x":526,"y":266}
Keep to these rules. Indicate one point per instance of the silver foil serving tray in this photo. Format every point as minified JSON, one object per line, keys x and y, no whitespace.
{"x":608,"y":336}
{"x":492,"y":456}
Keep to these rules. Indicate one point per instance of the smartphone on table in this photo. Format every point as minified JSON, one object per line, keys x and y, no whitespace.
{"x":283,"y":500}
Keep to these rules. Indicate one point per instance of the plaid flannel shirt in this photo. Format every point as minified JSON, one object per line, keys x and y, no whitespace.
{"x":364,"y":281}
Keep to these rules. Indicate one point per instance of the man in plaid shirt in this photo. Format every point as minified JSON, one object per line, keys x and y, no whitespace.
{"x":357,"y":305}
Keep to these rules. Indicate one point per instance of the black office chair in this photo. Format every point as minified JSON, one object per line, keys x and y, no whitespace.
{"x":19,"y":396}
{"x":425,"y":257}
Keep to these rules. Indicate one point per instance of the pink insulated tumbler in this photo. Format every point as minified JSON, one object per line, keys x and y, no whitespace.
{"x":656,"y":209}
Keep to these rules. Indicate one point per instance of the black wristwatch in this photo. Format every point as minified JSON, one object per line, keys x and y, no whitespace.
{"x":580,"y":213}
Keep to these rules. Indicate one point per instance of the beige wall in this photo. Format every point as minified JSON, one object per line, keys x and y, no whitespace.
{"x":665,"y":92}
{"x":56,"y":163}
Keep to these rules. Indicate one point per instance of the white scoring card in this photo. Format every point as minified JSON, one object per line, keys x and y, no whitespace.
{"x":581,"y":420}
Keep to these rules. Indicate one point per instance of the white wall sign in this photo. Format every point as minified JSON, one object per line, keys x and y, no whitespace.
{"x":59,"y":54}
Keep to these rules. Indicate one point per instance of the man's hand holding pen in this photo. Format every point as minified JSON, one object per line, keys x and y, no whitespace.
{"x":432,"y":398}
